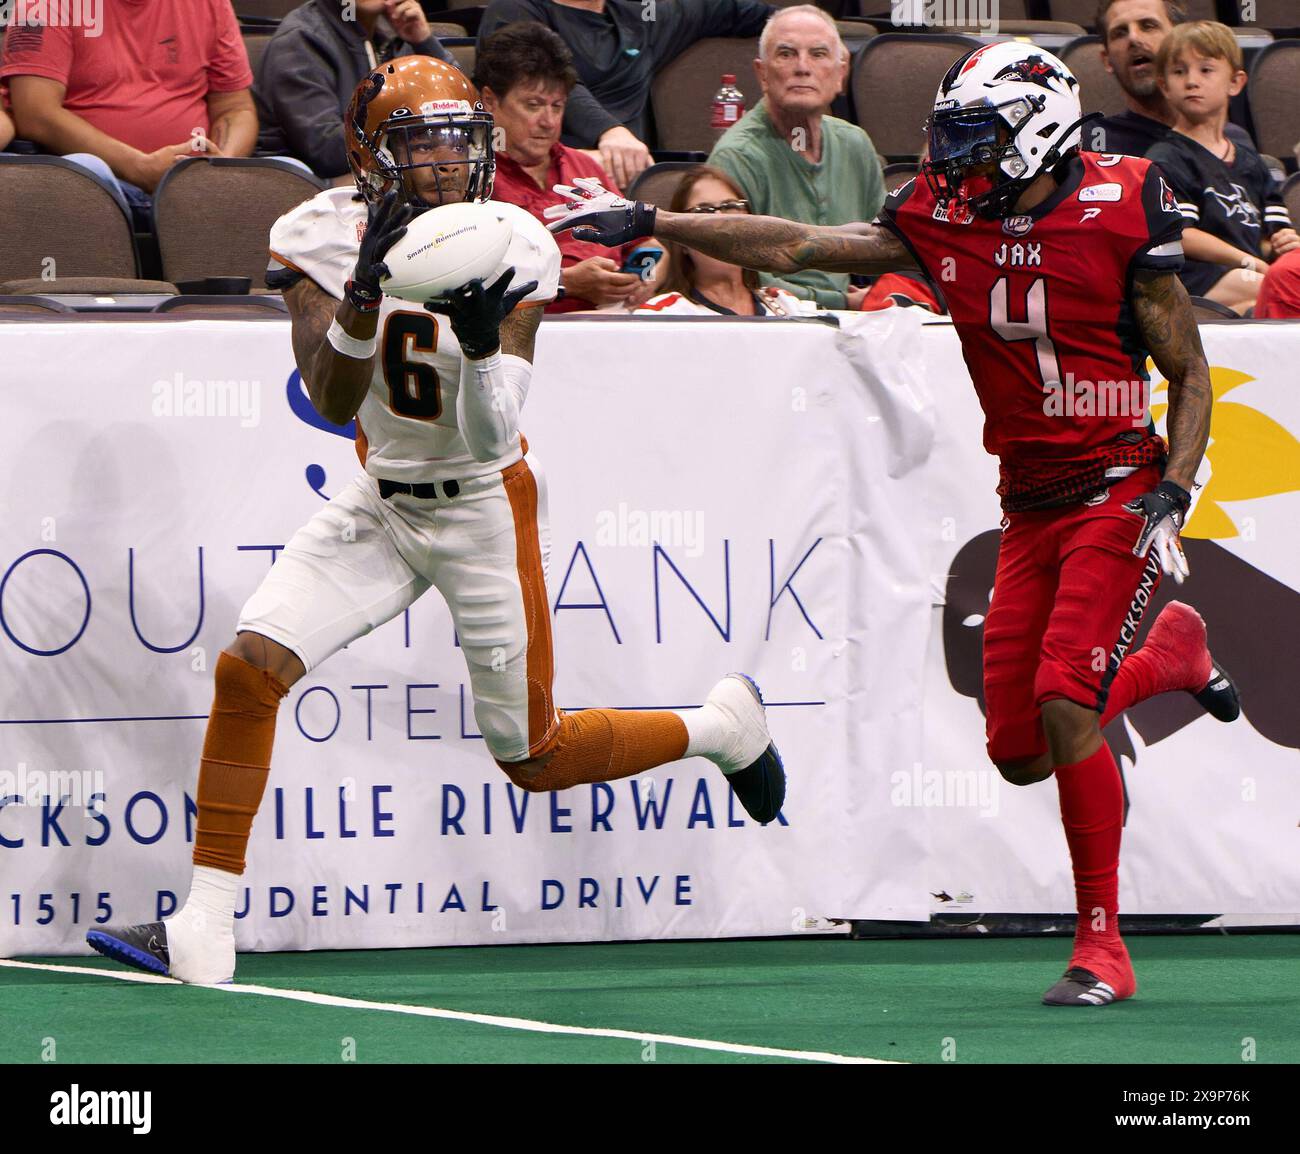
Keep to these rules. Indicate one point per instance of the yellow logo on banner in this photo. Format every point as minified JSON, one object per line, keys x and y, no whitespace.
{"x":1250,"y":454}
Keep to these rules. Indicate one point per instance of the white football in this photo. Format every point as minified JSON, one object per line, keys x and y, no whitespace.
{"x":446,"y":247}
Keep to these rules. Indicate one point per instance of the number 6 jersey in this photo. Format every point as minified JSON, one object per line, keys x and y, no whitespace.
{"x":406,"y":426}
{"x":1041,"y":304}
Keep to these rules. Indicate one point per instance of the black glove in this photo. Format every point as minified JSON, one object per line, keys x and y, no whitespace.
{"x":1163,"y":511}
{"x":386,"y":222}
{"x":595,"y":214}
{"x":476,"y":312}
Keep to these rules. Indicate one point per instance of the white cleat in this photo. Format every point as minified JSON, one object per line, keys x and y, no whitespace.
{"x":747,"y":755}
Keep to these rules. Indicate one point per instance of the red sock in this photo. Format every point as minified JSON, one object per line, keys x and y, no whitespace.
{"x":1092,"y":810}
{"x":1138,"y":678}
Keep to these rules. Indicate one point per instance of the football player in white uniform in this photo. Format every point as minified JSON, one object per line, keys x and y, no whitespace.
{"x":450,"y":497}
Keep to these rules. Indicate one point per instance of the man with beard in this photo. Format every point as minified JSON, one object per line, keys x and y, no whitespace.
{"x":1131,"y":33}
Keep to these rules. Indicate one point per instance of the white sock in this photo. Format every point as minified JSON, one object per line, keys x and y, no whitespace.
{"x":706,"y":730}
{"x":211,"y":903}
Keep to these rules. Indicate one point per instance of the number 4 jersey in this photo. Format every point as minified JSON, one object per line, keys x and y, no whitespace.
{"x":406,"y":427}
{"x":1041,"y":304}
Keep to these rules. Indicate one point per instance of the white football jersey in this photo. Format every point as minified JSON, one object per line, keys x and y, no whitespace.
{"x":406,"y":427}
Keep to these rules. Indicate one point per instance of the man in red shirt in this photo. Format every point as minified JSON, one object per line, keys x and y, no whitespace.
{"x":156,"y":80}
{"x":524,"y":73}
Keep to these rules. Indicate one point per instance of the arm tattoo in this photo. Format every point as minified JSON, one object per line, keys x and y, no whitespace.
{"x":519,"y":331}
{"x":336,"y":384}
{"x":770,"y":244}
{"x":1168,"y":326}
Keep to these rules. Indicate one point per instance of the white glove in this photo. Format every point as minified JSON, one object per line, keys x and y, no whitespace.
{"x":598,"y":215}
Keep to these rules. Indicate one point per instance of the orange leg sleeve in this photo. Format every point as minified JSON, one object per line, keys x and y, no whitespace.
{"x":236,"y":761}
{"x":602,"y":745}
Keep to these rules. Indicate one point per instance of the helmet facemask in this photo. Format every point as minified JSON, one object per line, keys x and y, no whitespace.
{"x":441,"y":163}
{"x":980,"y":137}
{"x":434,"y":159}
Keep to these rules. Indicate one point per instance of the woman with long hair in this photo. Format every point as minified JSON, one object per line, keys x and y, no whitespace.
{"x":699,"y":285}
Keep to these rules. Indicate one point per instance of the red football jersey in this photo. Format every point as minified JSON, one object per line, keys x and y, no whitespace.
{"x":1041,"y":304}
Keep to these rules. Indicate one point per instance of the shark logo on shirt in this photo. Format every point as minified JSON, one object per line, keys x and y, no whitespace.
{"x":1238,"y":204}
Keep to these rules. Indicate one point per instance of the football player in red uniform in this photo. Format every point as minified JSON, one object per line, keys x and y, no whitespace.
{"x":1061,"y":273}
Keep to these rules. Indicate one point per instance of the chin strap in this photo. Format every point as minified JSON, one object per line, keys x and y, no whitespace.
{"x":1053,"y":155}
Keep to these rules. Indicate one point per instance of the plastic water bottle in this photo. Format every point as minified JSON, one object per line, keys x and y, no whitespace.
{"x":728,"y":105}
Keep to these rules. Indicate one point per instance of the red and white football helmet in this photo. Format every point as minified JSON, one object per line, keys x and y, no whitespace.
{"x":1011,"y":105}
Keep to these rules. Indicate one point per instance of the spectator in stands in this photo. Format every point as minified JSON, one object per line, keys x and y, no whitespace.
{"x":618,"y":50}
{"x":164,"y":80}
{"x":702,"y":286}
{"x":1234,"y":219}
{"x":525,"y":73}
{"x":791,"y":157}
{"x":1132,"y":32}
{"x":6,"y":129}
{"x":315,"y":61}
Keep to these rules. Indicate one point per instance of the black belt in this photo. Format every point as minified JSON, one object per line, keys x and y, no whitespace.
{"x":426,"y":491}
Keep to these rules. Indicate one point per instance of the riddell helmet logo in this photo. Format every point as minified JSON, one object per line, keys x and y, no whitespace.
{"x":435,"y":107}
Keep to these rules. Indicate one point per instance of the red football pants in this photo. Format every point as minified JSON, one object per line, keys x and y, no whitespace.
{"x":1068,"y":598}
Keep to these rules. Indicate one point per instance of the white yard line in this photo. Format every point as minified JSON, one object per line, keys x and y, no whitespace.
{"x":462,"y":1016}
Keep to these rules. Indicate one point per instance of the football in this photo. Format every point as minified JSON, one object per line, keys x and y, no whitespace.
{"x":445,"y":248}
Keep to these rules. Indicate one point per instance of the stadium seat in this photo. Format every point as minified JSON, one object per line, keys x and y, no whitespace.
{"x":464,"y":51}
{"x":1274,"y":82}
{"x":1099,"y":91}
{"x":904,"y":10}
{"x":21,"y":307}
{"x":1085,"y":11}
{"x":265,"y":9}
{"x":86,"y":286}
{"x":1277,"y":15}
{"x":854,"y":32}
{"x":212,"y":217}
{"x":657,"y":183}
{"x":1028,"y":28}
{"x":449,"y":31}
{"x":899,"y":173}
{"x":893,"y":82}
{"x":1291,"y":194}
{"x":60,"y":220}
{"x":681,"y":97}
{"x":1205,"y":309}
{"x":255,"y":43}
{"x":233,"y":307}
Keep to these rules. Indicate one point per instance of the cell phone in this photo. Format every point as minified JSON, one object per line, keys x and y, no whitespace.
{"x":642,"y":261}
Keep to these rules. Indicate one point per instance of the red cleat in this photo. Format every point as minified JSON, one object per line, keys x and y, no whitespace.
{"x":1100,"y":972}
{"x":1179,"y":644}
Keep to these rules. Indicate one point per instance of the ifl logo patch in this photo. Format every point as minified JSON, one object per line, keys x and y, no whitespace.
{"x":1017,"y":225}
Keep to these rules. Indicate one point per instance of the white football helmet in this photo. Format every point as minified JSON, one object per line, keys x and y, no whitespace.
{"x":1011,"y":105}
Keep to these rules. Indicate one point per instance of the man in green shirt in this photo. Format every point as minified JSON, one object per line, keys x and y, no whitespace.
{"x":795,"y":160}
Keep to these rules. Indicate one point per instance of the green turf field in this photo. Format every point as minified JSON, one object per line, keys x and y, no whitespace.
{"x":1199,"y":999}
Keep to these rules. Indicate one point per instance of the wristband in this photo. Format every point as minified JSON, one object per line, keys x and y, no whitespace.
{"x":349,"y":346}
{"x":1175,"y":493}
{"x":363,"y":298}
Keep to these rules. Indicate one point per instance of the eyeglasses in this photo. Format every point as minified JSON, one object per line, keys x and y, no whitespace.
{"x":722,"y":206}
